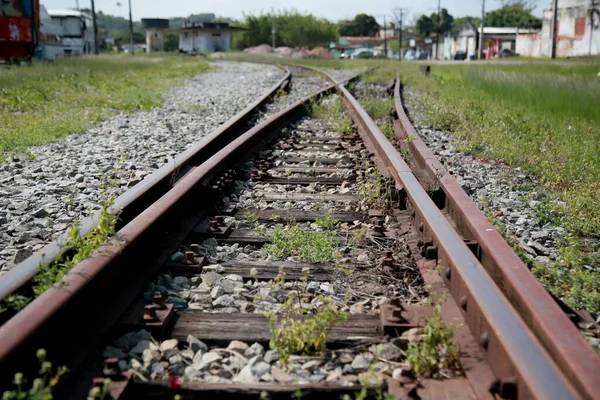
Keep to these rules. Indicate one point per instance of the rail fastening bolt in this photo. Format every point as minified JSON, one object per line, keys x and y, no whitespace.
{"x":484,"y":340}
{"x":150,"y":313}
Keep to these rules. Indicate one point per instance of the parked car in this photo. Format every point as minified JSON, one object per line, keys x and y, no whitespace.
{"x":411,"y":55}
{"x":363,"y":53}
{"x":459,"y":55}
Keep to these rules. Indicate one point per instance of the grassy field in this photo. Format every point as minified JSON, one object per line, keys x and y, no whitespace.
{"x":543,"y":117}
{"x":46,"y":102}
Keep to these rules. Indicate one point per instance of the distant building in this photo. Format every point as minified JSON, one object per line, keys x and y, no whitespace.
{"x":205,"y":36}
{"x":497,"y":41}
{"x":66,"y":33}
{"x":155,"y":34}
{"x":578,"y":31}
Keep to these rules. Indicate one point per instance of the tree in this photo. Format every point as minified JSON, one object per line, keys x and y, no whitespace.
{"x":292,"y":28}
{"x":512,"y":13}
{"x":428,"y":25}
{"x":425,"y":25}
{"x":446,"y":23}
{"x":460,"y":21}
{"x":121,"y":37}
{"x":171,"y":42}
{"x":361,"y":25}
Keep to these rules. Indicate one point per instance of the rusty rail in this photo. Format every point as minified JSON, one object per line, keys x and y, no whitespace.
{"x":140,"y":196}
{"x":540,"y":312}
{"x":513,"y":353}
{"x":100,"y":288}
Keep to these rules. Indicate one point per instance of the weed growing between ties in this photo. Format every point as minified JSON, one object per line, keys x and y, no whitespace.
{"x":436,"y":350}
{"x":41,"y":387}
{"x":75,"y":250}
{"x":46,"y":102}
{"x":333,"y":108}
{"x":374,"y":188}
{"x":293,"y":240}
{"x":298,"y":330}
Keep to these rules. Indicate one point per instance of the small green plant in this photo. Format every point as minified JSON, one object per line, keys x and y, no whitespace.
{"x":374,"y":189}
{"x":41,"y":388}
{"x":327,"y":223}
{"x":77,"y":248}
{"x":251,"y":218}
{"x":292,"y":240}
{"x":333,"y":108}
{"x":436,"y":350}
{"x":81,"y":247}
{"x":295,"y":331}
{"x":98,"y":393}
{"x":14,"y":302}
{"x":573,"y":278}
{"x":388,"y":130}
{"x":377,"y":107}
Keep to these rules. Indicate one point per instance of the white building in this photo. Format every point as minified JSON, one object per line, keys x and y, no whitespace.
{"x":205,"y":37}
{"x":578,"y":31}
{"x":66,"y":33}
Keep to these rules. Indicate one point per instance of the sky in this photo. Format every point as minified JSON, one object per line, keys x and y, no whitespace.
{"x":330,"y":9}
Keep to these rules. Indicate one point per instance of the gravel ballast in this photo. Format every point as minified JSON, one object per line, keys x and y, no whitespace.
{"x":40,"y":197}
{"x":508,"y":194}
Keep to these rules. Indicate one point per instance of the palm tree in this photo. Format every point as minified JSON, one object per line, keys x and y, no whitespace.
{"x":119,"y":4}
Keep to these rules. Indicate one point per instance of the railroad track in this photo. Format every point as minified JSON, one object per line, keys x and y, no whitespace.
{"x":200,"y":261}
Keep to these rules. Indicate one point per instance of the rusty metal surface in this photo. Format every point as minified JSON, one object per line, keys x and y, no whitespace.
{"x":145,"y":192}
{"x":540,"y":312}
{"x":514,"y":353}
{"x":100,"y":288}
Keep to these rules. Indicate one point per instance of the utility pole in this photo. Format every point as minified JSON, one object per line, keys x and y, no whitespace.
{"x":481,"y":26}
{"x":130,"y":30}
{"x":439,"y":30}
{"x":95,"y":28}
{"x":273,"y":31}
{"x":554,"y":29}
{"x":592,"y":11}
{"x":400,"y":37}
{"x":384,"y":38}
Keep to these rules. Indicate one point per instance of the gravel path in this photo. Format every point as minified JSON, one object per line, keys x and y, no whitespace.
{"x":509,"y":194}
{"x":340,"y":74}
{"x":41,"y":197}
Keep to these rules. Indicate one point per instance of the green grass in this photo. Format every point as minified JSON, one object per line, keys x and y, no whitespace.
{"x":43,"y":103}
{"x":544,"y":119}
{"x":308,"y":246}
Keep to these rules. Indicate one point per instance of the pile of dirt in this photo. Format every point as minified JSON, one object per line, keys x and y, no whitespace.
{"x":320,"y":52}
{"x":284,"y":51}
{"x":261,"y":49}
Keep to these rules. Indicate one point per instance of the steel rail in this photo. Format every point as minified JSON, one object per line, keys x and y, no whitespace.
{"x":144,"y":193}
{"x":514,"y":354}
{"x":69,"y":321}
{"x":544,"y":317}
